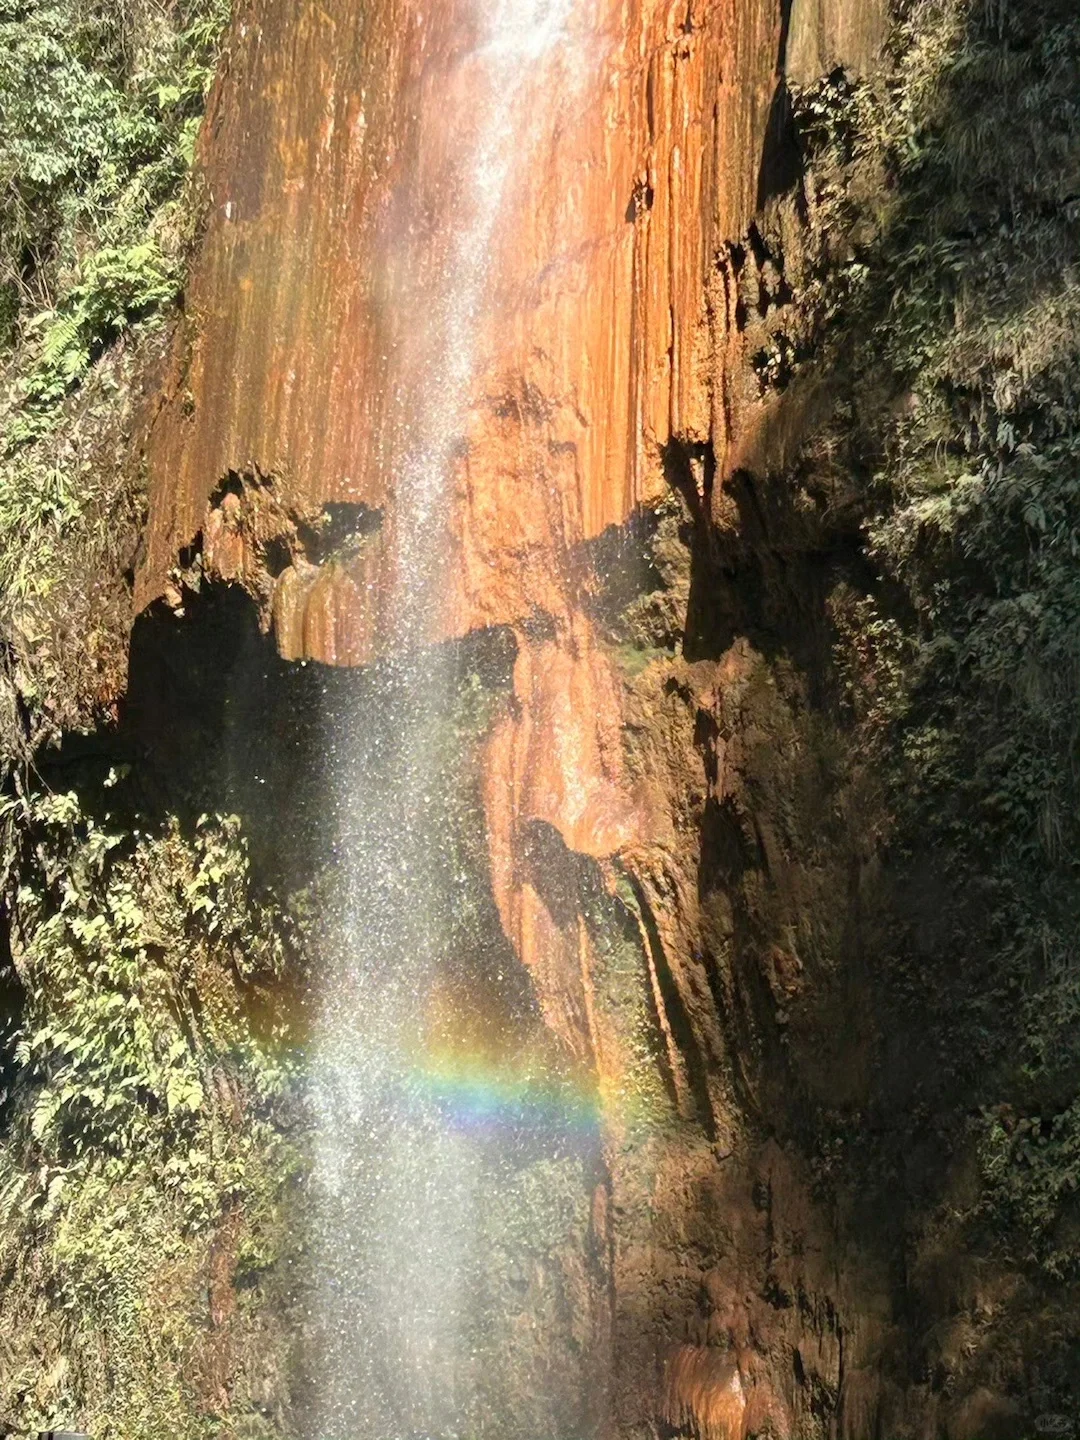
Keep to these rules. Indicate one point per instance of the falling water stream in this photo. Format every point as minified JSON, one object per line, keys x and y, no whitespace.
{"x":411,"y":1146}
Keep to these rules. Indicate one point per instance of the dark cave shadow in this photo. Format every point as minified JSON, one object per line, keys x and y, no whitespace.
{"x":214,"y":721}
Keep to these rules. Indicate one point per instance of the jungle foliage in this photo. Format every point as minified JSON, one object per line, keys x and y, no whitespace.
{"x":956,"y":366}
{"x":143,"y":1159}
{"x":100,"y":103}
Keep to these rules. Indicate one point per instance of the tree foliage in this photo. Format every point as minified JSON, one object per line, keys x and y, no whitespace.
{"x":144,"y":1109}
{"x":100,"y":104}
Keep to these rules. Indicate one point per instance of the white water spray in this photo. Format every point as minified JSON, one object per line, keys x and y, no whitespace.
{"x":519,"y":35}
{"x":397,"y":1183}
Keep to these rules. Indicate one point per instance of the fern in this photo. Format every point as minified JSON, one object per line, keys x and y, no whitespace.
{"x":115,"y":286}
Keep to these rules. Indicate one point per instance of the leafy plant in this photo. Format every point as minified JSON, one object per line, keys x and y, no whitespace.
{"x":963,"y":368}
{"x":115,"y":286}
{"x":146,"y":1115}
{"x":100,"y":103}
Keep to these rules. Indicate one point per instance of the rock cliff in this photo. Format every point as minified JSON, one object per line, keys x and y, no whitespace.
{"x":664,"y":778}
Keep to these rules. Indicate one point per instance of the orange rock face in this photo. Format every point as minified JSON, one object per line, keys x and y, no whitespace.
{"x":333,"y":155}
{"x":308,"y":342}
{"x":338,"y":139}
{"x":604,"y":338}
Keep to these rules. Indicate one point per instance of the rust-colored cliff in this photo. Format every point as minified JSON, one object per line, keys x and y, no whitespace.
{"x":611,"y":367}
{"x":330,"y":199}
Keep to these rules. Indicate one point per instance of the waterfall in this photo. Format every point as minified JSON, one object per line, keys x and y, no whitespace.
{"x":518,"y":35}
{"x":415,"y":1132}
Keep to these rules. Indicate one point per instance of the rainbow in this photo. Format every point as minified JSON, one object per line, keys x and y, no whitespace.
{"x":475,"y":1093}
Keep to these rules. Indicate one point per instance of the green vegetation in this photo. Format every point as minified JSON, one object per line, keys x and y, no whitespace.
{"x":982,"y":531}
{"x":144,"y":1147}
{"x":100,"y":102}
{"x":956,"y":370}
